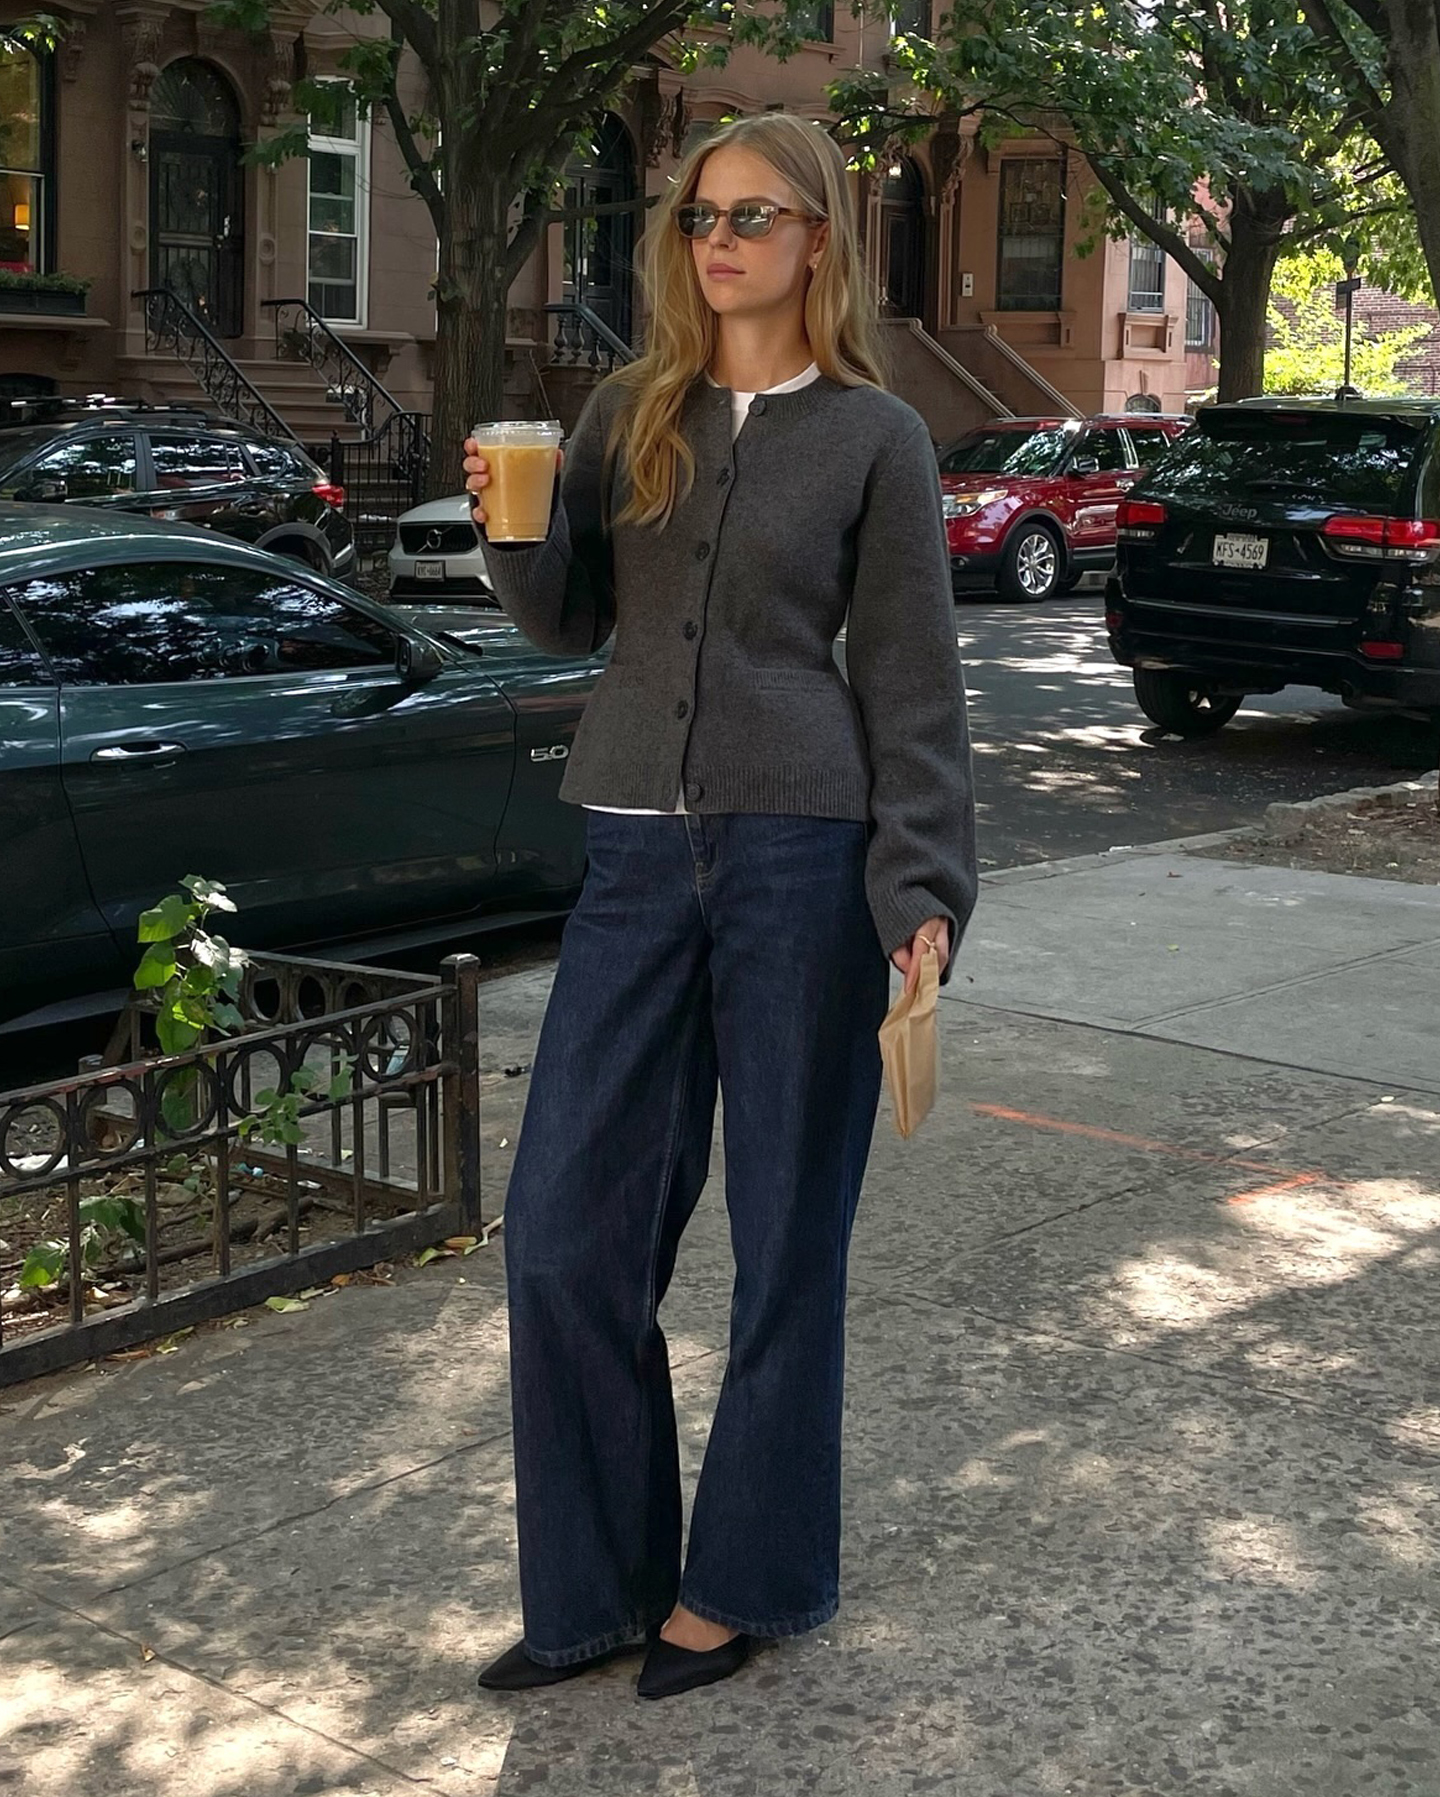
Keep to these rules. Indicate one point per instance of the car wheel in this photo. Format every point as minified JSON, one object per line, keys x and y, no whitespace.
{"x":1179,"y":703}
{"x":1032,"y":566}
{"x":302,"y":553}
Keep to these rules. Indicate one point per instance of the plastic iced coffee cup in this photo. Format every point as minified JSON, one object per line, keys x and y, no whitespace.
{"x":520,"y":458}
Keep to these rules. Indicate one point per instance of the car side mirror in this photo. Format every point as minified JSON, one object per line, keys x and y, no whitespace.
{"x":1085,"y":464}
{"x":45,"y":489}
{"x":417,"y":661}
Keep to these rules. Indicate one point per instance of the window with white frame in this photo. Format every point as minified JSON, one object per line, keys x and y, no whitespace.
{"x":1147,"y":266}
{"x":339,"y":209}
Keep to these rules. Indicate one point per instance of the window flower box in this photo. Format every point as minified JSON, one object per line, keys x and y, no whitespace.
{"x":52,"y":295}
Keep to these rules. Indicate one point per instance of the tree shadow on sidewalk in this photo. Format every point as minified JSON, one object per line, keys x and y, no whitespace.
{"x":1141,"y":1488}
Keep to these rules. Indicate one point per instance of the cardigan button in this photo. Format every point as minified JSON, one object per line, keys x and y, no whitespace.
{"x":722,"y":479}
{"x":692,"y":630}
{"x":702,"y":552}
{"x":682,"y":710}
{"x":694,"y":791}
{"x":757,"y":405}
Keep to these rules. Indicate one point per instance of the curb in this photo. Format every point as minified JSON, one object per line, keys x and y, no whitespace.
{"x":1275,"y":815}
{"x":1122,"y":851}
{"x":1387,"y":796}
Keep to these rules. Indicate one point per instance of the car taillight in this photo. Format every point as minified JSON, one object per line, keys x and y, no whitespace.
{"x":1373,"y":539}
{"x":329,"y":492}
{"x":1383,"y":650}
{"x":1139,"y":519}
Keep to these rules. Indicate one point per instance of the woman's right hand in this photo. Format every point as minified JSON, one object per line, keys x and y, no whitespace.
{"x":477,"y":475}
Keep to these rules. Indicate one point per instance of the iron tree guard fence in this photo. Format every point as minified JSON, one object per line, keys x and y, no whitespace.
{"x":117,"y":1182}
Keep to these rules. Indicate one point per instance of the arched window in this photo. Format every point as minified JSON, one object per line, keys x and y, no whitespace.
{"x":193,"y":100}
{"x":27,"y":185}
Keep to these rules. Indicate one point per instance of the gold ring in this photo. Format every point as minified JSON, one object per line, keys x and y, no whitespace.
{"x":929,"y":941}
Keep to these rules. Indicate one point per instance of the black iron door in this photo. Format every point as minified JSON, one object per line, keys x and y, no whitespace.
{"x":197,"y":232}
{"x":902,"y":227}
{"x":600,"y":252}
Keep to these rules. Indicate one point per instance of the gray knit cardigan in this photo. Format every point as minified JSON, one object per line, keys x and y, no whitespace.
{"x":824,"y":513}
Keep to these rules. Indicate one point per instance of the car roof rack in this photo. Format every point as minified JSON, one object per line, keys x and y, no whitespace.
{"x":72,"y":409}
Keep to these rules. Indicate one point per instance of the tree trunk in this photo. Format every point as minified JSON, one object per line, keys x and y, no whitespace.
{"x":1246,"y":277}
{"x":1407,"y":128}
{"x":471,"y":302}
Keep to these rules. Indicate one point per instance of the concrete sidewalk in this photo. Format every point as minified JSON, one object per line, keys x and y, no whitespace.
{"x":1143,"y":1437}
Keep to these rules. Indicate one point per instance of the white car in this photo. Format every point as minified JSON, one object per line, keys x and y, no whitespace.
{"x":439,"y":554}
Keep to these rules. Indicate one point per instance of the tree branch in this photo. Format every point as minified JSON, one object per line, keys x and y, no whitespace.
{"x":1322,"y":20}
{"x":413,"y":25}
{"x":422,"y":174}
{"x":1159,"y":232}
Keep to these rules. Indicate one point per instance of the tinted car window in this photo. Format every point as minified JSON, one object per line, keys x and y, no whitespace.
{"x":1331,"y":458}
{"x":196,"y":461}
{"x":1006,"y":452}
{"x":179,"y":621}
{"x":1150,"y":443}
{"x":92,"y":468}
{"x":276,"y":462}
{"x":19,"y":664}
{"x":1107,"y":447}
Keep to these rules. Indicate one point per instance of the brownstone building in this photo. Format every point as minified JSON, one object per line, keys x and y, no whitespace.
{"x":122,"y":163}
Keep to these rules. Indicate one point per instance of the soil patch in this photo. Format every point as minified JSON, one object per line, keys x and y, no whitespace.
{"x":1390,"y":836}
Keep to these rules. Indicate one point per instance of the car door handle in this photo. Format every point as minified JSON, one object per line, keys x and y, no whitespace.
{"x":136,"y":751}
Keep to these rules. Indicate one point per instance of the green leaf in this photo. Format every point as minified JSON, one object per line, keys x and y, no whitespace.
{"x":226,"y":1017}
{"x":426,"y":1255}
{"x":304,"y":1079}
{"x":43,"y":1266}
{"x":285,"y":1304}
{"x":174,"y":1033}
{"x":262,"y":1101}
{"x":169,"y":919}
{"x":209,"y":893}
{"x":157,"y":966}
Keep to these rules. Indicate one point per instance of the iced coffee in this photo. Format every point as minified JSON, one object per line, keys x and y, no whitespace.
{"x":520,"y":459}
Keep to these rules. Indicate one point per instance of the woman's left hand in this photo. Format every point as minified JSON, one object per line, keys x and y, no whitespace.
{"x":908,"y":958}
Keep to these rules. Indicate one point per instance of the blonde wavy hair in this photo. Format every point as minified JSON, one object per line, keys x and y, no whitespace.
{"x":839,"y":312}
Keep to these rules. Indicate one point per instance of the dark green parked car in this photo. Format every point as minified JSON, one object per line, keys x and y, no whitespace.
{"x":174,"y":703}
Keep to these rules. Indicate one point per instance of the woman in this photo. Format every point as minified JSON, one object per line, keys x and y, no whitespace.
{"x":761,"y":836}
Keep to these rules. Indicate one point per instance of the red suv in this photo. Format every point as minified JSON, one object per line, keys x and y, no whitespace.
{"x":1030,"y":503}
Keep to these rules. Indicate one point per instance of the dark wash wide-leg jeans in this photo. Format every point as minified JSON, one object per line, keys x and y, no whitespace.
{"x":734,"y":949}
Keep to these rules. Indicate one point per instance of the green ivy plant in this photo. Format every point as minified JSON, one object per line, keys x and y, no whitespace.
{"x":195,"y":975}
{"x":102,"y":1221}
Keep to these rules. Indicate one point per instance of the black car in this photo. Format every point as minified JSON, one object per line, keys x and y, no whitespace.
{"x":177,"y":463}
{"x":1284,"y":542}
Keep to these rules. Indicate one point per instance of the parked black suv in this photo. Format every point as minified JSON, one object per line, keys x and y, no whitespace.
{"x":1284,"y":542}
{"x":177,"y":462}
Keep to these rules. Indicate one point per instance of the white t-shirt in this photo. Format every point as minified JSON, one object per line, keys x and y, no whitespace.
{"x":741,"y":405}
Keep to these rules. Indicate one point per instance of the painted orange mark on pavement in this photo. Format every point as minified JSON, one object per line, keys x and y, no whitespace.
{"x":1284,"y":1185}
{"x":1286,"y":1180}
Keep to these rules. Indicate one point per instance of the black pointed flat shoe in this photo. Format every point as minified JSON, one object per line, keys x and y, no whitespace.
{"x":516,"y":1671}
{"x":670,"y":1670}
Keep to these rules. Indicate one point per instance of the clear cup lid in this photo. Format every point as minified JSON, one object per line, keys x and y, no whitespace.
{"x":519,"y":430}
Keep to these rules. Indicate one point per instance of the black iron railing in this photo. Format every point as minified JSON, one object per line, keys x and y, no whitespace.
{"x":171,"y":328}
{"x":302,"y":335}
{"x":584,"y":340}
{"x":379,"y":1157}
{"x":383,"y":475}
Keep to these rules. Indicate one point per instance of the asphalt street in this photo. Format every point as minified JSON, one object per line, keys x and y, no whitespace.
{"x":1067,"y":764}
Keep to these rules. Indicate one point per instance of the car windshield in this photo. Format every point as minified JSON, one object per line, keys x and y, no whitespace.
{"x":1007,"y":452}
{"x":1327,"y":458}
{"x":16,"y":445}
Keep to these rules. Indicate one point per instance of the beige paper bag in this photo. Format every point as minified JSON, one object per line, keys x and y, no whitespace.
{"x":909,"y":1048}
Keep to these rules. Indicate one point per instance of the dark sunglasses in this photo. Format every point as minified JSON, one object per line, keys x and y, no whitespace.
{"x":749,"y":218}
